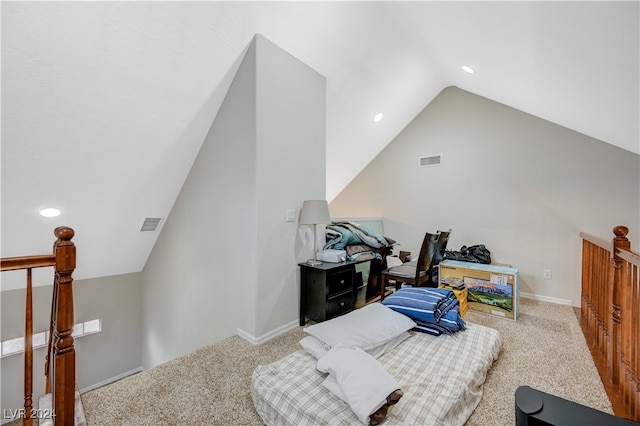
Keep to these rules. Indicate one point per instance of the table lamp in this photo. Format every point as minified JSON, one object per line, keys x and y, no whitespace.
{"x":314,"y":212}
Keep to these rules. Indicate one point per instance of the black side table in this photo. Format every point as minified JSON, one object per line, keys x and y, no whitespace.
{"x":327,"y":290}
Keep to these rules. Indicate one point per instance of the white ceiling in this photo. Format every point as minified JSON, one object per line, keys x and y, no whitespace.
{"x":105,"y":104}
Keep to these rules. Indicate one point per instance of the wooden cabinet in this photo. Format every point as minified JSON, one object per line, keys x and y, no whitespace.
{"x":327,"y":290}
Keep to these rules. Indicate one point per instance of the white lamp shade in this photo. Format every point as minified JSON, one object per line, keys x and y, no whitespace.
{"x":315,"y":212}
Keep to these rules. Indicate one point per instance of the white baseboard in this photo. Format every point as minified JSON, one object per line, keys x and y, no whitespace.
{"x":547,"y":299}
{"x":268,"y":336}
{"x":111,"y":380}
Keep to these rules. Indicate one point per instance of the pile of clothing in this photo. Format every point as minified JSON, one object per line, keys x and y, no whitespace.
{"x":356,"y":239}
{"x":436,"y":311}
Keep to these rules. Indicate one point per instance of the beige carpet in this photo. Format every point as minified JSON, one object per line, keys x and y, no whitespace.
{"x":544,"y":349}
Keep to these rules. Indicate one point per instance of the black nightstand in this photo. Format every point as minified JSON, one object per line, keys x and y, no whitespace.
{"x":327,"y":290}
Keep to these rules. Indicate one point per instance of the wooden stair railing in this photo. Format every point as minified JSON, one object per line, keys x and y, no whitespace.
{"x":610,"y":316}
{"x":60,"y":359}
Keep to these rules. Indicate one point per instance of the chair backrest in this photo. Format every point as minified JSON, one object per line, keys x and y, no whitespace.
{"x":443,"y":239}
{"x":427,"y":254}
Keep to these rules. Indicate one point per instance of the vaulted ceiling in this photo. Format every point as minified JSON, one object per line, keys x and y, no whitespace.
{"x":105,"y":104}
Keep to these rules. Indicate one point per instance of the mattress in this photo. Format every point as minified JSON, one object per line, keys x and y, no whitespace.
{"x":441,"y":377}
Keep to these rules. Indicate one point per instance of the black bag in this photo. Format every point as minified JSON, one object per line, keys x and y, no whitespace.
{"x":481,"y":253}
{"x":474,"y":254}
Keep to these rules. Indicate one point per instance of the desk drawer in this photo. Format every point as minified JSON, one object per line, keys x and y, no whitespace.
{"x":340,"y":304}
{"x":339,"y":281}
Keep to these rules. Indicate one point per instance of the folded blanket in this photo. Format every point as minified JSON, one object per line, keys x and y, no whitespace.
{"x":342,"y":234}
{"x":435,"y":310}
{"x":358,"y":379}
{"x":431,"y":328}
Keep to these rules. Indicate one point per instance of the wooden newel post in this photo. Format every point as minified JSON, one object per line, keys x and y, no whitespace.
{"x":64,"y":364}
{"x":620,"y":241}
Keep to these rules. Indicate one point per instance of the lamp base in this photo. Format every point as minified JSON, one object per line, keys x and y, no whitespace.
{"x":313,"y":262}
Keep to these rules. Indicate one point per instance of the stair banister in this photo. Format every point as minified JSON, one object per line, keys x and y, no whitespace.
{"x":60,"y":359}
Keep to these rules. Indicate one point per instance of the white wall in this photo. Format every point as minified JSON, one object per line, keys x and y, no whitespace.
{"x":291,"y":167}
{"x":521,"y":185}
{"x":226,"y":258}
{"x":197,"y":268}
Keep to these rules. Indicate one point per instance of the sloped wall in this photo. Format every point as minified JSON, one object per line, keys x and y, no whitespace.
{"x":226,"y":257}
{"x":521,"y":185}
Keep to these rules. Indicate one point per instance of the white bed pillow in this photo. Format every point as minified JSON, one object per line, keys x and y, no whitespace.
{"x":383,"y":348}
{"x":365,"y":328}
{"x":317,"y":349}
{"x":313,"y":346}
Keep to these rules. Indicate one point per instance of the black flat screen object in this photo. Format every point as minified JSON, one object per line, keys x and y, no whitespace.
{"x":537,"y":408}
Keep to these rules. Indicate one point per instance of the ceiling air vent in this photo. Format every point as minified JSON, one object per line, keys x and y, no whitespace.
{"x":150,"y":224}
{"x":432,"y":160}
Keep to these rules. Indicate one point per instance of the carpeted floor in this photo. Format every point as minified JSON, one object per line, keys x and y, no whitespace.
{"x":544,"y":349}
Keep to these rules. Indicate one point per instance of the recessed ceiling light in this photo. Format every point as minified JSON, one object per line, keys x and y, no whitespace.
{"x":378,"y":117}
{"x":50,"y":212}
{"x":468,"y":69}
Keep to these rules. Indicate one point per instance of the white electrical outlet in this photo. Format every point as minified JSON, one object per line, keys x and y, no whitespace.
{"x":291,"y":215}
{"x":546,"y":274}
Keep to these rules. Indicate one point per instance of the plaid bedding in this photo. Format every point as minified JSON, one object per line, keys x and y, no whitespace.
{"x":441,"y":378}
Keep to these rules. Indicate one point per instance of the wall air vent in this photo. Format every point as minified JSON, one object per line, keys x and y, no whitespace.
{"x":150,"y":224}
{"x":431,"y":160}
